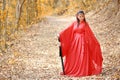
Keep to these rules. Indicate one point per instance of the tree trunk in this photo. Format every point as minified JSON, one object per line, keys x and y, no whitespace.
{"x":27,"y":8}
{"x":4,"y":25}
{"x":18,"y":11}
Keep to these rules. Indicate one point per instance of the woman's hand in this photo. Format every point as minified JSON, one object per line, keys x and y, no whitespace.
{"x":58,"y":36}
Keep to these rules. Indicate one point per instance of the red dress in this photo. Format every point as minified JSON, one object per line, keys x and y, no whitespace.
{"x":81,"y":49}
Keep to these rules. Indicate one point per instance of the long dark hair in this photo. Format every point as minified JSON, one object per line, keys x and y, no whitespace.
{"x":79,"y":12}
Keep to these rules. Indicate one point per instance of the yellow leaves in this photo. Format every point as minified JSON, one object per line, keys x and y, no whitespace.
{"x":8,"y":31}
{"x":11,"y":61}
{"x":12,"y":36}
{"x":42,"y":1}
{"x":3,"y":15}
{"x":2,"y":28}
{"x":1,"y":54}
{"x":116,"y":76}
{"x":16,"y":53}
{"x":11,"y":11}
{"x":8,"y":43}
{"x":2,"y":44}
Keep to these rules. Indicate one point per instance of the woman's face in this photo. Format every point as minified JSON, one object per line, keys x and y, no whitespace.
{"x":81,"y":17}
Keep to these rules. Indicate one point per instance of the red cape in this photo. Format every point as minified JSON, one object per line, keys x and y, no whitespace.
{"x":81,"y":49}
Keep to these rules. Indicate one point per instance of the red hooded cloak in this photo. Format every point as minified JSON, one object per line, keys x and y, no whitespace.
{"x":81,"y":49}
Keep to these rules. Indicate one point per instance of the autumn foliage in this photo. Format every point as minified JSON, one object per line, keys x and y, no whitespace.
{"x":18,"y":16}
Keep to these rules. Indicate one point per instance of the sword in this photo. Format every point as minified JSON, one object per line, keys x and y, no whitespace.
{"x":60,"y":54}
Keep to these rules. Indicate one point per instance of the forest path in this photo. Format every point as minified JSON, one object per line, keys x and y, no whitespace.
{"x":39,"y":59}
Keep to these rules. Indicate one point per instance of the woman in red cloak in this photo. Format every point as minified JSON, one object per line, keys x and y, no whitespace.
{"x":81,"y":49}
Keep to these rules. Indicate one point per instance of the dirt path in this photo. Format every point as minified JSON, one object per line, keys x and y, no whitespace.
{"x":39,"y":59}
{"x":39,"y":48}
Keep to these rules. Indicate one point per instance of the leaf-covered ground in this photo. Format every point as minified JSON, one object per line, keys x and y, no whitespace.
{"x":35,"y":55}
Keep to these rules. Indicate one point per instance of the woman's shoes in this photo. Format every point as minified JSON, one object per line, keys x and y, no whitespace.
{"x":61,"y":73}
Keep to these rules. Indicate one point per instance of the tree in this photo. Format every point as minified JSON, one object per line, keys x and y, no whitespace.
{"x":18,"y":11}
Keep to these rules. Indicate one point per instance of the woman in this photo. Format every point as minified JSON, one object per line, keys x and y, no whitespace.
{"x":81,"y":49}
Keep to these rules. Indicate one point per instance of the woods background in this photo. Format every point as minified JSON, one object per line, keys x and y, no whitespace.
{"x":16,"y":16}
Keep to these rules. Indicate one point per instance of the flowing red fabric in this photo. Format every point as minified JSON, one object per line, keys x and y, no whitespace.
{"x":81,"y":49}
